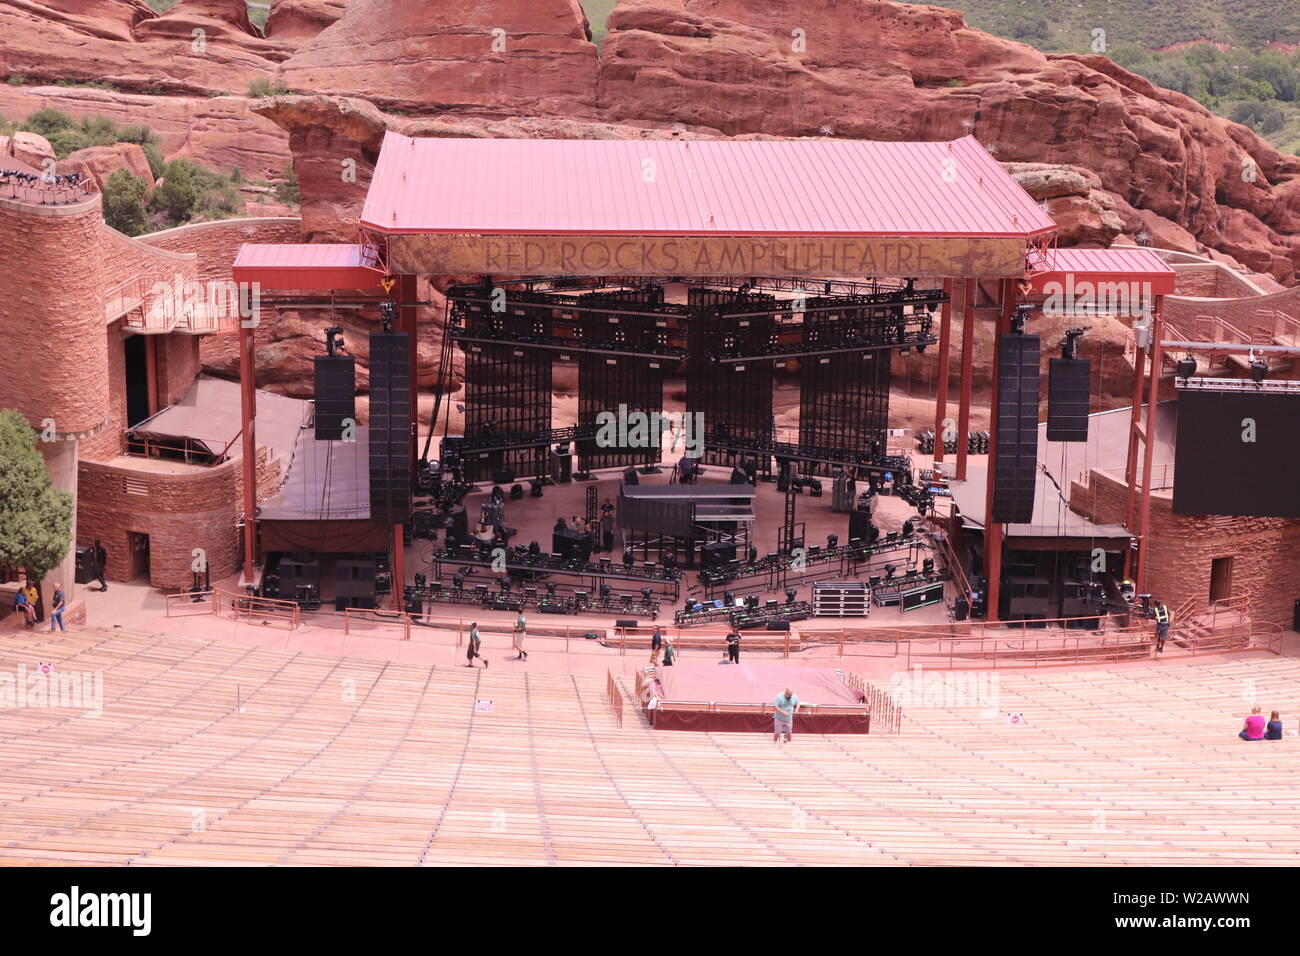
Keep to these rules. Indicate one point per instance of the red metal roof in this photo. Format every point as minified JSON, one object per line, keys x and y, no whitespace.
{"x":698,"y":187}
{"x":1117,"y":264}
{"x":307,"y":266}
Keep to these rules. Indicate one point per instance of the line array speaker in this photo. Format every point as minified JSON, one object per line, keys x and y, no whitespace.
{"x":1068,"y":382}
{"x":390,"y":426}
{"x":1016,"y":463}
{"x":335,"y":388}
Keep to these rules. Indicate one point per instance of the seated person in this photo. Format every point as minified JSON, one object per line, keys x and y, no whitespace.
{"x":1254,"y":726}
{"x":1274,"y":729}
{"x":22,"y":604}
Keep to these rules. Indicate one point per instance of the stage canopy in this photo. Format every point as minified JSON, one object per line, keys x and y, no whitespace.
{"x":307,"y":266}
{"x":1068,"y":270}
{"x":832,"y":208}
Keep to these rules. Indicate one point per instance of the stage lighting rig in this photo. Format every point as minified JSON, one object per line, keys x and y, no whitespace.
{"x":1186,"y":367}
{"x":387,"y":314}
{"x":1020,"y":318}
{"x":1258,"y":369}
{"x":1070,"y":346}
{"x":334,"y":340}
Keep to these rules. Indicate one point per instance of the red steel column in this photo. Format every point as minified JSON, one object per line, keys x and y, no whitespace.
{"x":941,"y":386}
{"x":967,"y":370}
{"x":1148,"y":451}
{"x":992,"y":529}
{"x":407,"y":321}
{"x":1134,"y":435}
{"x":248,"y":416}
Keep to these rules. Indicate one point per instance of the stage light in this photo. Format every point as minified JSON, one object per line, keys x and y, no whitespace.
{"x":790,"y":594}
{"x":1186,"y":367}
{"x":420,"y":581}
{"x":729,"y":597}
{"x":889,"y":571}
{"x":605,"y":591}
{"x":832,"y":541}
{"x":1258,"y":371}
{"x":645,"y":593}
{"x":458,"y":582}
{"x":628,"y":559}
{"x":550,"y":588}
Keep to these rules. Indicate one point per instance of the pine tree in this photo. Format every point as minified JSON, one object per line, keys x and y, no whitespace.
{"x":35,"y":517}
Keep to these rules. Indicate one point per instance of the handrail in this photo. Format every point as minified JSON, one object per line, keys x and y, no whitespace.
{"x":381,"y":616}
{"x":615,"y":697}
{"x":198,"y":602}
{"x":250,"y":606}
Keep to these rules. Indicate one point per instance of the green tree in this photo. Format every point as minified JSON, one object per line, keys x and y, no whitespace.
{"x":125,"y":200}
{"x":35,"y":517}
{"x":177,"y":196}
{"x":1264,"y":116}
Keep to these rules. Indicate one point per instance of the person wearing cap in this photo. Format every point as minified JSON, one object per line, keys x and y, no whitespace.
{"x":670,"y":652}
{"x":521,"y":632}
{"x":783,"y":719}
{"x":474,"y":646}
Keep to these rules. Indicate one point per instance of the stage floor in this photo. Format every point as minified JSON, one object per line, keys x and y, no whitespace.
{"x":746,"y":683}
{"x":534,"y":520}
{"x":690,"y":695}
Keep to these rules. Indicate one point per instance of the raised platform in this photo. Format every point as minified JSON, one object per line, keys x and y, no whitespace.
{"x":738,"y":698}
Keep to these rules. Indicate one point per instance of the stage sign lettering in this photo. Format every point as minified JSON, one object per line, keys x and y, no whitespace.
{"x":771,"y":256}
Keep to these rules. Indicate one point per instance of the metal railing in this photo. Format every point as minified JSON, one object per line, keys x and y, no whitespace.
{"x":271,"y":611}
{"x":615,"y":697}
{"x":886,"y":714}
{"x":367,"y":615}
{"x":190,"y":603}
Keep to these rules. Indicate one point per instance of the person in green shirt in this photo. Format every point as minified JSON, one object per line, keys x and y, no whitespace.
{"x":783,"y":720}
{"x":670,"y":652}
{"x":474,"y":647}
{"x":521,"y":631}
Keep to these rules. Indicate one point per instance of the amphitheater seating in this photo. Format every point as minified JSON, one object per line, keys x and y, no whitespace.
{"x":366,"y":762}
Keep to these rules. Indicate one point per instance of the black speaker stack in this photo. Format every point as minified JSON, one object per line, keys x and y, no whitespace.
{"x":335,"y":388}
{"x":1016,"y":460}
{"x":1068,"y":383}
{"x":354,"y":584}
{"x":390,"y":427}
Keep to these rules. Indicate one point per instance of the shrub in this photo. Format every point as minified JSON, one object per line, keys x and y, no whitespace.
{"x":125,"y":197}
{"x":177,"y":196}
{"x":262,"y":86}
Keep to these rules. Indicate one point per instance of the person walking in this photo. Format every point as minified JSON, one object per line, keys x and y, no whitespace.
{"x":475,"y":646}
{"x":656,"y":645}
{"x":670,"y":652}
{"x":521,"y":632}
{"x":733,"y":646}
{"x":783,"y":719}
{"x":1162,"y":626}
{"x":101,"y":562}
{"x":56,"y":608}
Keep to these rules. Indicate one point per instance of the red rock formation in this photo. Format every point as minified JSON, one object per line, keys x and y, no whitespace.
{"x":126,"y":44}
{"x":299,"y":20}
{"x":28,"y":148}
{"x":534,"y":57}
{"x":100,"y":162}
{"x":218,"y":131}
{"x":787,"y":68}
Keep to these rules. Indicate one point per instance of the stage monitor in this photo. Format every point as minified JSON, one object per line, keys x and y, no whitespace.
{"x":1238,"y":453}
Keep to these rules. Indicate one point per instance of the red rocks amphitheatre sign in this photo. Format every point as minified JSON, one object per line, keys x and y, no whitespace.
{"x":704,"y":256}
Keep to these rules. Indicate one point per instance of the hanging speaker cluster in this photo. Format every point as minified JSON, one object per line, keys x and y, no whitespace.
{"x":1016,"y":461}
{"x":1068,"y":384}
{"x":390,"y":426}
